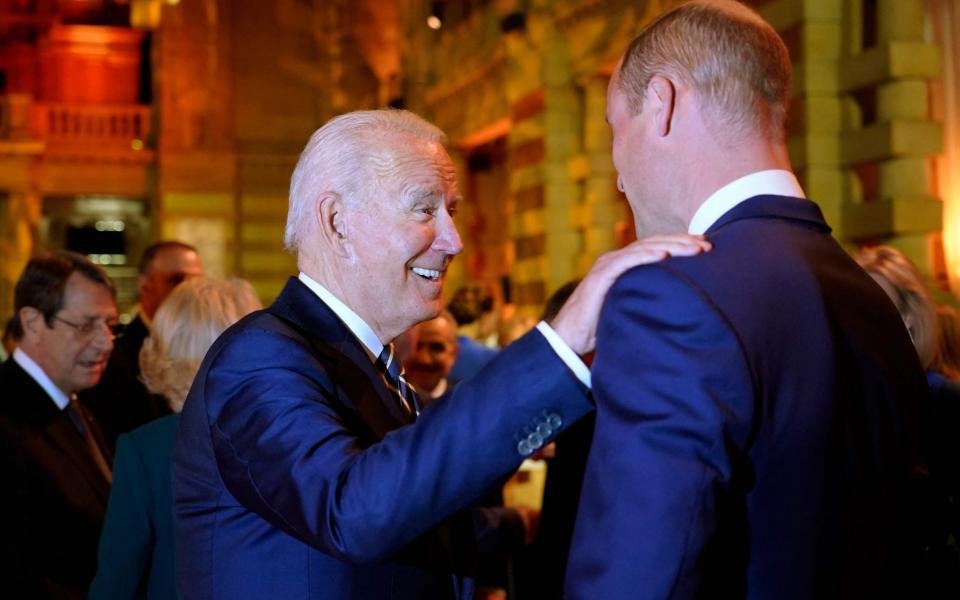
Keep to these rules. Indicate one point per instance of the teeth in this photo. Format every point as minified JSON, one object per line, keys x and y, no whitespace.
{"x":428,"y":273}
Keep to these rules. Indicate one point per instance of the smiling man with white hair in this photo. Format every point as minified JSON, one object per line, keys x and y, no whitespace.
{"x":302,"y":467}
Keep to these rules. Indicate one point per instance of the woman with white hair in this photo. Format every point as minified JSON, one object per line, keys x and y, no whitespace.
{"x":135,"y":559}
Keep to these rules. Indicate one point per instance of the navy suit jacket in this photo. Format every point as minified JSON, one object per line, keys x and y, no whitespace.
{"x":295,"y":477}
{"x":136,"y":547}
{"x":753,"y":435}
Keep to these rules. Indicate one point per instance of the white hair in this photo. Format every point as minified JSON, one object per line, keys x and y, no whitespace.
{"x":187,"y":323}
{"x":349,"y":155}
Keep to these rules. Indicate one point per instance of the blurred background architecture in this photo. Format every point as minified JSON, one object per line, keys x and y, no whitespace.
{"x":127,"y":121}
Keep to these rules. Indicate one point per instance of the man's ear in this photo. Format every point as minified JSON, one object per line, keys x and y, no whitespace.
{"x":31,"y":320}
{"x":662,"y":95}
{"x":331,"y":215}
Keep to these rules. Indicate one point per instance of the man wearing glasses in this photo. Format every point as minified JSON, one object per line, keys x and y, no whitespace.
{"x":54,"y":464}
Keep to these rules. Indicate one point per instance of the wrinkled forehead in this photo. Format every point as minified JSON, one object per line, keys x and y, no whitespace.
{"x":420,"y":167}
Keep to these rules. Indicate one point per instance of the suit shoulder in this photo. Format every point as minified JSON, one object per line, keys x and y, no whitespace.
{"x":667,"y":279}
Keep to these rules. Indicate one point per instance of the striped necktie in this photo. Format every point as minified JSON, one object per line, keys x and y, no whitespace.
{"x":389,"y":366}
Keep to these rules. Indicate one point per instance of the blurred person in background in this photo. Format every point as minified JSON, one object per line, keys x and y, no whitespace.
{"x":543,"y":565}
{"x":467,"y":306}
{"x":428,"y":353}
{"x":136,"y":548}
{"x":938,"y":509}
{"x":54,"y":462}
{"x":120,"y":402}
{"x":430,"y":356}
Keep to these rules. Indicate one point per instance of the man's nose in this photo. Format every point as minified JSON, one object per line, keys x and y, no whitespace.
{"x":448,"y":238}
{"x":103,"y":339}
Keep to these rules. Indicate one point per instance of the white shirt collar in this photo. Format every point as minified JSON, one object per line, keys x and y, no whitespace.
{"x":773,"y":182}
{"x":34,"y":370}
{"x":357,"y":326}
{"x":438,"y":391}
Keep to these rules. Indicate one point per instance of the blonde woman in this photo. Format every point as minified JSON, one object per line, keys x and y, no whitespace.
{"x":136,"y":547}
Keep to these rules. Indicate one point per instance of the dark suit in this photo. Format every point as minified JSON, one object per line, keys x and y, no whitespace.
{"x":753,"y":435}
{"x":294,"y":478}
{"x":120,"y":402}
{"x":136,"y":548}
{"x":54,"y":496}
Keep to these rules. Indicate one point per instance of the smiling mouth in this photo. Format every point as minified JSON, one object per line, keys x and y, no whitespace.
{"x":429,"y":274}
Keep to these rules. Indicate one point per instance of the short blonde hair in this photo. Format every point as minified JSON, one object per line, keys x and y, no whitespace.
{"x":187,"y":323}
{"x":909,"y":294}
{"x":734,"y":60}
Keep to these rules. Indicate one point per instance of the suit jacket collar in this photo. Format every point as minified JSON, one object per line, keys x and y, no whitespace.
{"x":774,"y":207}
{"x":359,"y":383}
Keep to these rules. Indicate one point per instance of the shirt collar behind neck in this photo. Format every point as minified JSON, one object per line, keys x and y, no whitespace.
{"x":37,"y":373}
{"x":774,"y":182}
{"x":357,"y":326}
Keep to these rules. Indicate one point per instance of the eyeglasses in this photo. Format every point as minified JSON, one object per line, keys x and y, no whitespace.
{"x":88,"y":328}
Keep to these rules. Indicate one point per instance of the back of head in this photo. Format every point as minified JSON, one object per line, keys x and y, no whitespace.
{"x":185,"y":326}
{"x":904,"y":284}
{"x":44,"y":280}
{"x":734,"y":60}
{"x":557,"y":299}
{"x":348,"y":156}
{"x":152,"y":251}
{"x":469,"y":303}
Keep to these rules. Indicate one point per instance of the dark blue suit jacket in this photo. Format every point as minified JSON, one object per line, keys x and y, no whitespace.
{"x":136,"y":547}
{"x":753,"y":434}
{"x":294,"y":476}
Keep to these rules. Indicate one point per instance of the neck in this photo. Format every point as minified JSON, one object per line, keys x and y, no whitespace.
{"x":721,"y":165}
{"x":349,"y":295}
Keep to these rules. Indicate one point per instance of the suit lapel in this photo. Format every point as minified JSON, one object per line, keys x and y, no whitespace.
{"x":63,"y":436}
{"x":359,"y":384}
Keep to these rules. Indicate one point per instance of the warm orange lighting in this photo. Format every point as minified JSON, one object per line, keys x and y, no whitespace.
{"x":136,"y":144}
{"x":433,"y":22}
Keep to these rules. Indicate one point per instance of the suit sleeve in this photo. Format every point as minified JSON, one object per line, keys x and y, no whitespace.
{"x":674,"y":413}
{"x":289,"y":448}
{"x":127,"y":541}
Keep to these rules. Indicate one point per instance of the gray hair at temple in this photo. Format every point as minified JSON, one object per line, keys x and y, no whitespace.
{"x":734,"y":60}
{"x":349,"y":156}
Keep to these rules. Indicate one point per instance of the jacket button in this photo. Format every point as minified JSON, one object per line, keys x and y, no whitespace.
{"x":544,"y":430}
{"x":554,"y":421}
{"x":524,"y":448}
{"x":536,"y":440}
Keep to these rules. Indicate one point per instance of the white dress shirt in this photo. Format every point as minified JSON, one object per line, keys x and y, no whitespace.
{"x":374,"y":346}
{"x":774,"y":182}
{"x":34,"y":370}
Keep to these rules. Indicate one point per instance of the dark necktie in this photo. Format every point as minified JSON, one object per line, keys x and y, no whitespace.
{"x":81,"y":420}
{"x":389,"y":366}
